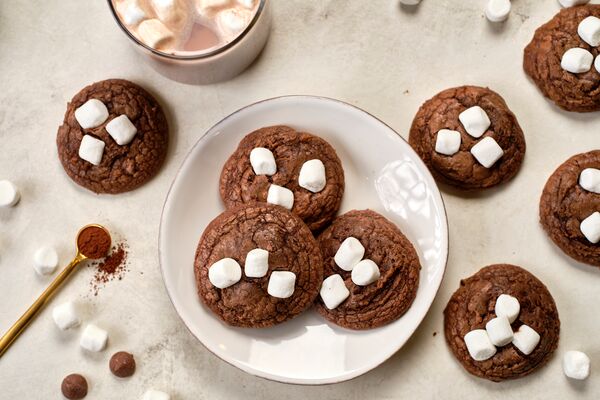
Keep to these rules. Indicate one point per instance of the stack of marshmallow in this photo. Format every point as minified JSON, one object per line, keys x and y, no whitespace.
{"x":481,"y":343}
{"x":589,"y":180}
{"x":348,"y":257}
{"x":312,"y":176}
{"x":227,"y":272}
{"x":94,"y":113}
{"x":167,"y":24}
{"x":578,"y":60}
{"x":476,"y":122}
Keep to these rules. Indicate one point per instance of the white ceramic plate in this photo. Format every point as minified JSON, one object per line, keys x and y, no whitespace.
{"x":382,"y":173}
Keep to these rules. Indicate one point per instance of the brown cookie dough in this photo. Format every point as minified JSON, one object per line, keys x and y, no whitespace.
{"x":291,"y":247}
{"x":392,"y":294}
{"x":472,"y":306}
{"x":239,"y":184}
{"x":543,"y":55}
{"x":564,"y":204}
{"x":462,"y":170}
{"x":123,"y":167}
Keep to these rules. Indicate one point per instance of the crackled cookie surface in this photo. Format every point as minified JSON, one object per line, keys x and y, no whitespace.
{"x":473,"y":305}
{"x":291,"y":247}
{"x":291,"y":149}
{"x":543,"y":56}
{"x":388,"y":297}
{"x":447,"y":146}
{"x":565,"y":203}
{"x":92,"y":157}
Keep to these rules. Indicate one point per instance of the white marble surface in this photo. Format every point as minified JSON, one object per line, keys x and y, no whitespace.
{"x":372,"y":54}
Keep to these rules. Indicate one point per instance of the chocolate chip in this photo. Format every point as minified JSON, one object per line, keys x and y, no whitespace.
{"x":122,"y":364}
{"x":74,"y":386}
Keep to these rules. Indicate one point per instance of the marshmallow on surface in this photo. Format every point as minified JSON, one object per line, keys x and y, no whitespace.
{"x":281,"y":284}
{"x":447,"y":142}
{"x":91,"y":149}
{"x":334,"y":291}
{"x":233,"y":21}
{"x":93,"y":338}
{"x":590,"y":227}
{"x":65,"y":316}
{"x":497,"y":10}
{"x":479,"y":345}
{"x":263,"y":161}
{"x":257,"y":263}
{"x":577,"y":60}
{"x":365,"y":272}
{"x":487,"y":151}
{"x":499,"y":331}
{"x":589,"y":30}
{"x":350,"y":252}
{"x":45,"y":260}
{"x":312,"y":176}
{"x":131,"y":12}
{"x":526,"y":339}
{"x":589,"y":179}
{"x":155,"y":395}
{"x":91,"y":114}
{"x":475,"y":121}
{"x":121,"y":129}
{"x":9,"y":194}
{"x":507,"y":306}
{"x":154,"y":33}
{"x":576,"y":365}
{"x":281,"y":196}
{"x":224,"y":273}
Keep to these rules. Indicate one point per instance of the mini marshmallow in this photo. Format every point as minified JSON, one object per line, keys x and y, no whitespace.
{"x":155,"y":395}
{"x":9,"y":194}
{"x":167,"y":10}
{"x":131,"y":12}
{"x":45,"y":260}
{"x":281,"y":284}
{"x":91,"y":149}
{"x":577,"y":60}
{"x":334,"y":291}
{"x":224,"y":273}
{"x":590,"y":227}
{"x":589,"y":30}
{"x":487,"y":151}
{"x":154,"y":33}
{"x":65,"y":316}
{"x":497,"y":10}
{"x":479,"y":345}
{"x":281,"y":196}
{"x":312,"y":176}
{"x":571,"y":3}
{"x":576,"y":365}
{"x":499,"y":331}
{"x":91,"y":114}
{"x":93,"y":338}
{"x":205,"y":8}
{"x":121,"y":129}
{"x":350,"y":252}
{"x":257,"y":263}
{"x":365,"y":272}
{"x":589,"y":179}
{"x":525,"y":339}
{"x":447,"y":142}
{"x":232,"y":21}
{"x":597,"y":63}
{"x":475,"y":120}
{"x":247,"y":3}
{"x":263,"y":161}
{"x":507,"y":306}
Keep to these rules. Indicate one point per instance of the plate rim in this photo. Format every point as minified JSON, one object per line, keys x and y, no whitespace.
{"x":296,"y":381}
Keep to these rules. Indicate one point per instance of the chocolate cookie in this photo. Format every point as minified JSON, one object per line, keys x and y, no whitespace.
{"x":122,"y":167}
{"x":391,"y":295}
{"x":472,"y":306}
{"x":564,"y":204}
{"x":291,"y":149}
{"x":542,"y":61}
{"x":291,"y":247}
{"x":462,"y":169}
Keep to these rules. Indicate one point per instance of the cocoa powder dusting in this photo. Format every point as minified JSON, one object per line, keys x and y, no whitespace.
{"x":93,"y":242}
{"x":112,"y":267}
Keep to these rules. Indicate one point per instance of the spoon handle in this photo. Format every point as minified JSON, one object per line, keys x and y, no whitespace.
{"x":11,"y":335}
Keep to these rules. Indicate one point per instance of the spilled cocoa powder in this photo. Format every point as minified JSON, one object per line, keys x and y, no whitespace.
{"x":113,"y":267}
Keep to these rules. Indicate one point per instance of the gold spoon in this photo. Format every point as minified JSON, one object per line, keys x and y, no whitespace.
{"x":93,"y":253}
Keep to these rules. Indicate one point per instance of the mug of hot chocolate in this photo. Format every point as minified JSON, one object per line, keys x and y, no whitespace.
{"x":196,"y":41}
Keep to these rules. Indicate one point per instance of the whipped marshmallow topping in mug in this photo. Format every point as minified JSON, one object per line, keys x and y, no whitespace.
{"x":186,"y":27}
